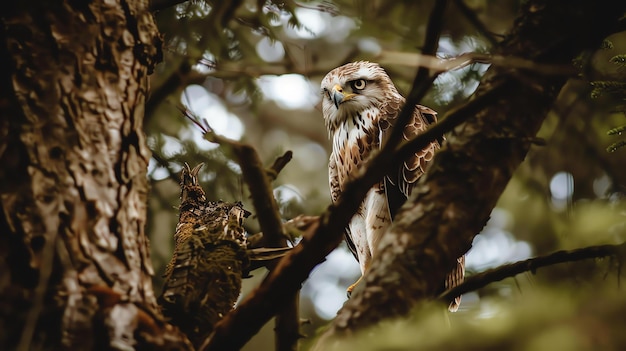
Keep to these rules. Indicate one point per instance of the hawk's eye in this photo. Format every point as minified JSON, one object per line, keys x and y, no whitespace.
{"x":358,"y":84}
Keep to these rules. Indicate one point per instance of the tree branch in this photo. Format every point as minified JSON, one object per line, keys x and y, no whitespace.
{"x":255,"y":175}
{"x":287,"y":326}
{"x":278,"y":165}
{"x":440,"y":65}
{"x":480,"y":280}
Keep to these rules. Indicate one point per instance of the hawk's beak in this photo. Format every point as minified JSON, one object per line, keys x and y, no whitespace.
{"x":339,"y":96}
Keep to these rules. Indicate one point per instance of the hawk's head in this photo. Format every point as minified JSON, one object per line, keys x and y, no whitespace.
{"x":353,"y":88}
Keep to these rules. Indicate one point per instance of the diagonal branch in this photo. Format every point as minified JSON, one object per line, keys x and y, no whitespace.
{"x":255,"y":175}
{"x":481,"y":280}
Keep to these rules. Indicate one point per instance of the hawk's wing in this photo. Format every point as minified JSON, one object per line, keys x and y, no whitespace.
{"x":399,"y":183}
{"x":333,"y":179}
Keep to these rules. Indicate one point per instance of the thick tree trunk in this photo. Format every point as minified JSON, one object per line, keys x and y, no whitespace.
{"x":454,"y":199}
{"x":74,"y":258}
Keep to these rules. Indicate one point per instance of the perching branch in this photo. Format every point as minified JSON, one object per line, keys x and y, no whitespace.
{"x":481,"y":280}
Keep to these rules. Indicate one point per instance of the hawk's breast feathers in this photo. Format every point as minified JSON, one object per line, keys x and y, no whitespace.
{"x":363,"y":123}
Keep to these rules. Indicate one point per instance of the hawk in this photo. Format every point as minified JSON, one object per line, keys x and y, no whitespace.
{"x":360,"y":107}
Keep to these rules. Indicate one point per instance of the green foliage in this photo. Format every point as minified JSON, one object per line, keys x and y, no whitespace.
{"x":606,"y":44}
{"x":561,"y":318}
{"x":616,"y":146}
{"x":592,"y":223}
{"x":608,"y":87}
{"x":616,"y":88}
{"x":619,"y":60}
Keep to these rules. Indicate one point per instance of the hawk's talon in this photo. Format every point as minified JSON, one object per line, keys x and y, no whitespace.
{"x":353,"y":286}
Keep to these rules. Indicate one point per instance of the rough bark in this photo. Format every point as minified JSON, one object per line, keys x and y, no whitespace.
{"x":76,"y":271}
{"x":454,"y":199}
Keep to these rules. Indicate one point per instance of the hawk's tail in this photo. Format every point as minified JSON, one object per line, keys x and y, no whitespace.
{"x":454,"y":278}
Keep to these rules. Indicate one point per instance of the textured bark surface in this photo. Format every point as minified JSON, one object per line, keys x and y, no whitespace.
{"x":454,"y":199}
{"x":76,"y":271}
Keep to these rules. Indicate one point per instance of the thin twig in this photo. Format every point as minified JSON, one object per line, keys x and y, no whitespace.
{"x":440,"y":65}
{"x":165,"y":164}
{"x":278,"y":165}
{"x":481,"y":280}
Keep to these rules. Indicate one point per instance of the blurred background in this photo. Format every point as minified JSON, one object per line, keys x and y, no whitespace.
{"x":253,"y":74}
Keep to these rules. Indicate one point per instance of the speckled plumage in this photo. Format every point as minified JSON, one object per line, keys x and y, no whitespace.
{"x":360,"y":107}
